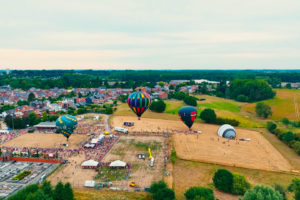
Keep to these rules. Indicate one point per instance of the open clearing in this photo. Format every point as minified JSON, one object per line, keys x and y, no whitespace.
{"x":127,"y":148}
{"x":285,"y":104}
{"x":208,"y":147}
{"x":46,"y":140}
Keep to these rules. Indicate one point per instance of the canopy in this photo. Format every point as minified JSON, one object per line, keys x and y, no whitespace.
{"x":118,"y":163}
{"x":89,"y":184}
{"x":90,"y":163}
{"x":94,"y":141}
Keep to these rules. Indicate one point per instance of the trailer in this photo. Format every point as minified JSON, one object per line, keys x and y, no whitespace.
{"x":122,"y":130}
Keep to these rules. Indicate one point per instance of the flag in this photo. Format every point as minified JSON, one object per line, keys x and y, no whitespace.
{"x":15,"y":133}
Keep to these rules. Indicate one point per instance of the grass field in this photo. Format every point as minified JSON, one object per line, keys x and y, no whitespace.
{"x":188,"y":173}
{"x":283,"y":105}
{"x":91,"y":194}
{"x":223,"y":107}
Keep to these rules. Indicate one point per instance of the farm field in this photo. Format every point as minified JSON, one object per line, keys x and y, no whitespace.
{"x":46,"y":140}
{"x":127,"y":148}
{"x":208,"y":147}
{"x":189,"y":173}
{"x":285,"y":104}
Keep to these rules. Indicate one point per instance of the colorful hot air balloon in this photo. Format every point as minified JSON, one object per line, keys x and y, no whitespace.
{"x":66,"y":125}
{"x":188,"y":114}
{"x":139,"y":102}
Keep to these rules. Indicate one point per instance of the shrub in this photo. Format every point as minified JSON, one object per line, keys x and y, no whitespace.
{"x":279,"y":188}
{"x":263,"y":110}
{"x":240,"y":184}
{"x":190,"y":100}
{"x":285,"y":121}
{"x":271,"y":126}
{"x":295,"y":186}
{"x":242,"y":98}
{"x":262,"y":192}
{"x":160,"y":191}
{"x":173,"y":156}
{"x":232,"y":122}
{"x":296,"y":147}
{"x":158,"y":106}
{"x":223,"y":180}
{"x":288,"y":137}
{"x":199,"y":193}
{"x":208,"y":115}
{"x":21,"y":175}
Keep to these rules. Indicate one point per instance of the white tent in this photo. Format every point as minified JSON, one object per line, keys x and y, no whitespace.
{"x":94,"y":141}
{"x":118,"y":163}
{"x":88,"y":145}
{"x":90,"y":184}
{"x":89,"y":164}
{"x":226,"y":131}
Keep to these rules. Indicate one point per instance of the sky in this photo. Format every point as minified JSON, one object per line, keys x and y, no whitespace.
{"x":149,"y":34}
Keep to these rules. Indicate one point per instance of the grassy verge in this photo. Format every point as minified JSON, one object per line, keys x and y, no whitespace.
{"x":91,"y":194}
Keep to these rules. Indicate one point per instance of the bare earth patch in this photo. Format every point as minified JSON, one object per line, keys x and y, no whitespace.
{"x":46,"y":140}
{"x":142,"y":174}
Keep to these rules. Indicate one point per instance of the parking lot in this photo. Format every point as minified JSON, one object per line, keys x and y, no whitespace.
{"x":8,"y":170}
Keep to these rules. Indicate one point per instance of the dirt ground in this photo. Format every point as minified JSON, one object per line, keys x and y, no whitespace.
{"x":73,"y":173}
{"x":142,"y":174}
{"x":46,"y":140}
{"x":208,"y":147}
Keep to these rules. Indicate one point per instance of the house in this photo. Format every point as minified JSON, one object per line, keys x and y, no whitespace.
{"x":163,"y":95}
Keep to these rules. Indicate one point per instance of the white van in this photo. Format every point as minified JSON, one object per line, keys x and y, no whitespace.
{"x":122,"y":130}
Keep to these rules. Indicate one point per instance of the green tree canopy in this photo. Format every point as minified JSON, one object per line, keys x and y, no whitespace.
{"x":263,"y":110}
{"x":240,"y":184}
{"x":208,"y":115}
{"x":158,"y":106}
{"x":223,"y":180}
{"x":199,"y":193}
{"x":261,"y":192}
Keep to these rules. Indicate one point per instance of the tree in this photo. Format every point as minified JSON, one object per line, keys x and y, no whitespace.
{"x":22,"y":103}
{"x":285,"y":121}
{"x":108,"y":110}
{"x":156,"y":186}
{"x":160,"y":191}
{"x":288,"y":86}
{"x":58,"y":193}
{"x":242,"y":98}
{"x":164,"y":194}
{"x":68,"y":192}
{"x":262,"y":192}
{"x":271,"y":126}
{"x":240,"y":184}
{"x":190,"y":100}
{"x":31,"y":97}
{"x":223,"y":180}
{"x":280,"y":189}
{"x":263,"y":110}
{"x":32,"y":119}
{"x":288,"y":136}
{"x":199,"y":193}
{"x":45,"y":117}
{"x":158,"y":106}
{"x":47,"y":188}
{"x":296,"y":188}
{"x":208,"y":115}
{"x":296,"y":147}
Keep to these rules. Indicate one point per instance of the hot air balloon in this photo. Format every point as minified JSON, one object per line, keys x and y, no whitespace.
{"x":66,"y":125}
{"x":188,"y":114}
{"x":139,"y":103}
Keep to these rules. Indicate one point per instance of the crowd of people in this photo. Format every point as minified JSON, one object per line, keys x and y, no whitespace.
{"x":5,"y":137}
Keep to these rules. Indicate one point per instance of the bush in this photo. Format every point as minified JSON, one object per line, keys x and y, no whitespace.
{"x":295,"y":186}
{"x":232,"y":122}
{"x":262,"y":192}
{"x":173,"y":156}
{"x":263,"y":110}
{"x":208,"y":115}
{"x":190,"y":100}
{"x":296,"y":147}
{"x":223,"y":180}
{"x":279,"y":188}
{"x":160,"y":191}
{"x":271,"y":126}
{"x":285,"y":121}
{"x":242,"y":98}
{"x":158,"y":106}
{"x":199,"y":193}
{"x":288,"y":137}
{"x":21,"y":175}
{"x":240,"y":184}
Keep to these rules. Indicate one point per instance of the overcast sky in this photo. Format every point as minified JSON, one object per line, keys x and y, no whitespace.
{"x":150,"y":34}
